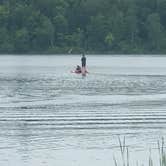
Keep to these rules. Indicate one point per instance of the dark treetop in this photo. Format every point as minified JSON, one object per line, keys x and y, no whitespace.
{"x":94,"y":26}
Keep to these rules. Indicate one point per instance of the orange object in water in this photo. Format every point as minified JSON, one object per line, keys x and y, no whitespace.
{"x":83,"y":71}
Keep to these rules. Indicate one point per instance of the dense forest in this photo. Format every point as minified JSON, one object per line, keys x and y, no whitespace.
{"x":73,"y":26}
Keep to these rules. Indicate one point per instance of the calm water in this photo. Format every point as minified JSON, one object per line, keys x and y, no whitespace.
{"x":52,"y":117}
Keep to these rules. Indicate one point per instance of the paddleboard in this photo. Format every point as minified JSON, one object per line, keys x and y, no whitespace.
{"x":83,"y":71}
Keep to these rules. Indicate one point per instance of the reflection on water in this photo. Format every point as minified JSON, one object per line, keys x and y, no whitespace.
{"x":49,"y":116}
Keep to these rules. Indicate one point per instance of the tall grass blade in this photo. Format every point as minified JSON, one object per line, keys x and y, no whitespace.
{"x":120,"y":144}
{"x":162,"y":152}
{"x":115,"y":161}
{"x":122,"y":149}
{"x":159,"y":150}
{"x":124,"y":145}
{"x":127,"y":156}
{"x":150,"y":159}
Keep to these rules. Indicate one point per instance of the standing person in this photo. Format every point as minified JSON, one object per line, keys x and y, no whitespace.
{"x":83,"y":60}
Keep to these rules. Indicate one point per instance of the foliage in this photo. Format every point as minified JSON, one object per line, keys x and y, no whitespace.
{"x":96,"y":26}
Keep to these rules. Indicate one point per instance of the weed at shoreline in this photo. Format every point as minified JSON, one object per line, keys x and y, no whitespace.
{"x":124,"y":153}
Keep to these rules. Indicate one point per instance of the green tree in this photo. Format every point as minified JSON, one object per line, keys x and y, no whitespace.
{"x":43,"y":35}
{"x":6,"y":45}
{"x":21,"y":40}
{"x":109,"y":39}
{"x":97,"y":31}
{"x":154,"y":29}
{"x":119,"y":26}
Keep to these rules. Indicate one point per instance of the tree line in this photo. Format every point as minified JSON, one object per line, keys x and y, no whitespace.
{"x":73,"y":26}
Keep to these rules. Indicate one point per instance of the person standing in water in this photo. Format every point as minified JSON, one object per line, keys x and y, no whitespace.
{"x":83,"y":60}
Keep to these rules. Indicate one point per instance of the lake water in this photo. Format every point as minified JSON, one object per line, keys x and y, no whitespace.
{"x":52,"y":117}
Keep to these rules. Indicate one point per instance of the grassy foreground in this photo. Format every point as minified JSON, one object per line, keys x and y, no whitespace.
{"x":124,"y":151}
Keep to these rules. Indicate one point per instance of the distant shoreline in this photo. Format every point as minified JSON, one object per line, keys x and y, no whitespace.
{"x":97,"y":54}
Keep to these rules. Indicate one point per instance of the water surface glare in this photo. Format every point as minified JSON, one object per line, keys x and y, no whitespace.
{"x":52,"y":117}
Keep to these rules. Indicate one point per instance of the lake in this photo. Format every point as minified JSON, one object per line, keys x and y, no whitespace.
{"x":52,"y":117}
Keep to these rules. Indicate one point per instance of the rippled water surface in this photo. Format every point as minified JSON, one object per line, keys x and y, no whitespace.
{"x":52,"y":117}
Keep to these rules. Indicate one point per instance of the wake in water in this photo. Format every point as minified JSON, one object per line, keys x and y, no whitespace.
{"x":45,"y":110}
